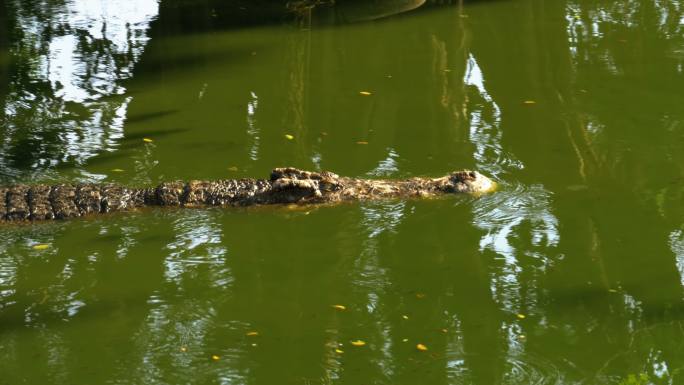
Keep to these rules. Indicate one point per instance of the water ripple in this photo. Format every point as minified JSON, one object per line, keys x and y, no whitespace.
{"x":533,"y":370}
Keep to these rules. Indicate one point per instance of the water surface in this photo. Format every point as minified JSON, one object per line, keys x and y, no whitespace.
{"x":572,"y":273}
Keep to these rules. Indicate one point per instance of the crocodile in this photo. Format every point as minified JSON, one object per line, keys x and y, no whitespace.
{"x":40,"y":202}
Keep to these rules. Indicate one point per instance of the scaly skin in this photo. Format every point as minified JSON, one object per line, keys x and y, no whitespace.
{"x":287,"y":185}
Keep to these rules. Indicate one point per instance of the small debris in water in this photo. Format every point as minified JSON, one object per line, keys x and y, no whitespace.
{"x":289,"y":137}
{"x":361,"y":142}
{"x":183,"y":349}
{"x":421,"y":347}
{"x":404,"y":316}
{"x":529,"y":102}
{"x":339,"y":307}
{"x":420,"y":295}
{"x":147,"y":140}
{"x":252,"y":334}
{"x":214,"y":357}
{"x":233,"y":168}
{"x":365,"y":93}
{"x":339,"y":351}
{"x":404,"y":340}
{"x":117,"y":170}
{"x":445,"y":331}
{"x":41,"y":246}
{"x":520,"y":316}
{"x":359,"y":343}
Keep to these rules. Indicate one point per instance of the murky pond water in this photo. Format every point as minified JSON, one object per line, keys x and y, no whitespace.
{"x":572,"y":272}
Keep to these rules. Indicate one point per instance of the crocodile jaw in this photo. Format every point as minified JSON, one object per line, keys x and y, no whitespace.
{"x":481,"y":184}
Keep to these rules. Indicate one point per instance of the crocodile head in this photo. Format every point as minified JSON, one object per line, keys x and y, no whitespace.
{"x":465,"y":182}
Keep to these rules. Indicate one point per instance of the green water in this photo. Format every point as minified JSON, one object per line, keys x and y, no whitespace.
{"x":572,"y":273}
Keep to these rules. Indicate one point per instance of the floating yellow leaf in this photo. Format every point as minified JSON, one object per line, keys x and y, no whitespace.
{"x":529,"y":102}
{"x":339,"y":351}
{"x":358,"y":343}
{"x":147,"y":140}
{"x":183,"y":349}
{"x":254,"y":345}
{"x":404,"y":340}
{"x":41,"y":246}
{"x":117,"y":170}
{"x":339,"y":307}
{"x":421,"y":347}
{"x":361,"y":142}
{"x":289,"y":137}
{"x":520,"y":316}
{"x":252,"y":334}
{"x":404,"y":316}
{"x":365,"y":93}
{"x":215,"y":357}
{"x":444,"y":331}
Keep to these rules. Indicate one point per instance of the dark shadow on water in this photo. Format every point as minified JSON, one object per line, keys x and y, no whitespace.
{"x":186,"y":58}
{"x":139,"y":135}
{"x":144,"y":117}
{"x":179,"y":17}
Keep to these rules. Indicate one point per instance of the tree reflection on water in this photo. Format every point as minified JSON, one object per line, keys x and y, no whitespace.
{"x":65,"y":101}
